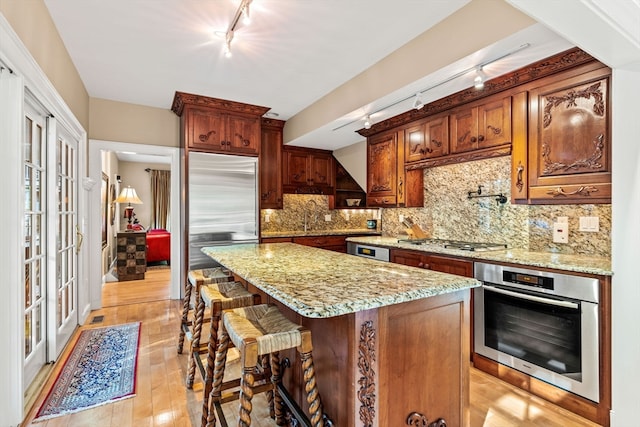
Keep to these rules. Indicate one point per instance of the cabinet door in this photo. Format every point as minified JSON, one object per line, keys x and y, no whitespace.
{"x":382,"y":169}
{"x":415,"y":148}
{"x":296,"y":168}
{"x":570,"y":140}
{"x":321,"y":169}
{"x":406,"y":257}
{"x":437,"y":137}
{"x":450,"y":265}
{"x":243,"y":134}
{"x":494,"y":123}
{"x":271,"y":168}
{"x":206,"y":130}
{"x":464,"y":130}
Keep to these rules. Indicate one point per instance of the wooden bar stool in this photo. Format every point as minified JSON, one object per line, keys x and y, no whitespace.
{"x":258,"y":331}
{"x":196,"y":279}
{"x":220,"y":296}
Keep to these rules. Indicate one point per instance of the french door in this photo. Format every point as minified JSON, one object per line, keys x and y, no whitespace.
{"x":50,"y":164}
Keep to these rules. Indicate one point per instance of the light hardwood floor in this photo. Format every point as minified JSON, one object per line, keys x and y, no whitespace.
{"x":162,"y":400}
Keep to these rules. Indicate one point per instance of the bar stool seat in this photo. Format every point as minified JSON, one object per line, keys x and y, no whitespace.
{"x":257,"y":331}
{"x":218,"y":297}
{"x":196,"y":279}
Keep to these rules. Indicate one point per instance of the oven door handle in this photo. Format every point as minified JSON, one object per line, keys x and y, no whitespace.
{"x":534,"y":298}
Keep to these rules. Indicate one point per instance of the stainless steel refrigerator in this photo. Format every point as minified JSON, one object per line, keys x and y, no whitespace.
{"x":223,"y":203}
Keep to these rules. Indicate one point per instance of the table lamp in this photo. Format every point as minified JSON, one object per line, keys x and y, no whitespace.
{"x":128,"y":195}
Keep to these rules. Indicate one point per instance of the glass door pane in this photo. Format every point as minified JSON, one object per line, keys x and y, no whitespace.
{"x":35,"y":275}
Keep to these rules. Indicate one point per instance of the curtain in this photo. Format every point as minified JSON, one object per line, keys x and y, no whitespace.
{"x":160,"y":196}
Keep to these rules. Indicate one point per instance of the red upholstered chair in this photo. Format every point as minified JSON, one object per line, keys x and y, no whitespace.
{"x":158,"y":245}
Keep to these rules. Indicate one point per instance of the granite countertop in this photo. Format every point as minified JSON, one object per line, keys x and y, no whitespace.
{"x":577,"y":263}
{"x":319,"y":283}
{"x":310,"y":233}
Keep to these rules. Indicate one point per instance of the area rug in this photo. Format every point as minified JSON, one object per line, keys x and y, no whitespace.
{"x":101,"y":369}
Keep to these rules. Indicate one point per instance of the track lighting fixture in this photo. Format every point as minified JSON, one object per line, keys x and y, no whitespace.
{"x":242,"y":11}
{"x":417,"y":103}
{"x":478,"y":82}
{"x":367,"y":122}
{"x":246,"y":13}
{"x":227,"y":44}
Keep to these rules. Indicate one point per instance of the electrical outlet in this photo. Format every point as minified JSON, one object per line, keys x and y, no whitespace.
{"x":327,"y":217}
{"x":560,"y":232}
{"x":267,"y":218}
{"x":400,"y":217}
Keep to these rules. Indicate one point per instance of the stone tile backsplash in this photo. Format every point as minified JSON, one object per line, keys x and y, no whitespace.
{"x":291,"y":217}
{"x":448,"y":213}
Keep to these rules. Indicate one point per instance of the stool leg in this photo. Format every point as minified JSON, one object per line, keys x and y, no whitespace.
{"x":195,"y":343}
{"x":211,"y":354}
{"x":276,"y":406}
{"x":186,"y":301}
{"x":218,"y":375}
{"x":313,"y":398}
{"x":246,"y":394}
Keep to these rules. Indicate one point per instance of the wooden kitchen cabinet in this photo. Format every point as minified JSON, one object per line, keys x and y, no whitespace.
{"x":427,"y":139}
{"x":308,"y":171}
{"x":432,"y":262}
{"x":569,"y":146}
{"x":333,"y":243}
{"x":271,"y":164}
{"x":214,"y":131}
{"x":388,"y":184}
{"x":483,"y":125}
{"x":347,"y":188}
{"x":215,"y":125}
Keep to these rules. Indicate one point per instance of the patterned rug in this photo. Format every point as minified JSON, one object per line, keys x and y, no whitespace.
{"x":100,"y":369}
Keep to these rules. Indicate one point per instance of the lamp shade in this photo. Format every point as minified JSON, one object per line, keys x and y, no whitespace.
{"x":128,"y":195}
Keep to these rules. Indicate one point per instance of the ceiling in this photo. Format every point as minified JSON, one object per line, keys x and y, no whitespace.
{"x":292,"y":54}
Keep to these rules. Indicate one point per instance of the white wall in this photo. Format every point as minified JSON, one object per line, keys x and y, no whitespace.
{"x":625,"y":253}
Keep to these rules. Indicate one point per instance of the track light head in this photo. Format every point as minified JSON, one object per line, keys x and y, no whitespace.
{"x":478,"y":82}
{"x":417,"y":103}
{"x":367,"y":122}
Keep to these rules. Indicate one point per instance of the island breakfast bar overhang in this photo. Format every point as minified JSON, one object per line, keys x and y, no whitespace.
{"x":391,"y":343}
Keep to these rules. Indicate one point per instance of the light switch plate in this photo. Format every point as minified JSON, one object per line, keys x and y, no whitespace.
{"x":560,"y":232}
{"x":589,"y":224}
{"x":327,"y":218}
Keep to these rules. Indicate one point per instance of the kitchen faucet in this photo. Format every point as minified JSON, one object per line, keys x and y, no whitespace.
{"x":306,"y":208}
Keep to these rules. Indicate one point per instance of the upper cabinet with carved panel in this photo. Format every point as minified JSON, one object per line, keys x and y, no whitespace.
{"x":388,"y":184}
{"x":382,"y":169}
{"x":308,"y":171}
{"x":427,"y":139}
{"x":570,"y":138}
{"x":217,"y":125}
{"x":483,"y":125}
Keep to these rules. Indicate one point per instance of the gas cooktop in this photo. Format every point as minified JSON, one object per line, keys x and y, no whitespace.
{"x":456,"y":244}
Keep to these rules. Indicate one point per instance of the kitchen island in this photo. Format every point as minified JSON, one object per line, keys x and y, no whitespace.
{"x":391,"y":343}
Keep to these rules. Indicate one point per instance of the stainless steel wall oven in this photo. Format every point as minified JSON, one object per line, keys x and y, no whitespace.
{"x":540,"y":323}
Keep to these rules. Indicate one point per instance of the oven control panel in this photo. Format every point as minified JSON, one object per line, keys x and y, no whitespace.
{"x":528,"y":279}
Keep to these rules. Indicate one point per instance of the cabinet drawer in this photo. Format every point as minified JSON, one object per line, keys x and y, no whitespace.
{"x":382,"y":201}
{"x":322,"y":241}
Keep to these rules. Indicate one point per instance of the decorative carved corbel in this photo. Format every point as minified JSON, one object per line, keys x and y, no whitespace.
{"x":366,"y":359}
